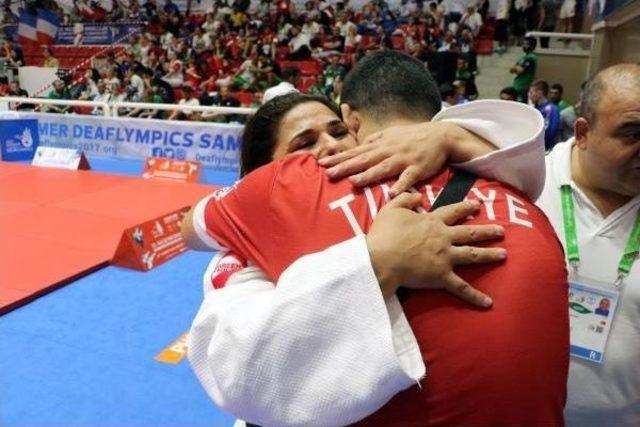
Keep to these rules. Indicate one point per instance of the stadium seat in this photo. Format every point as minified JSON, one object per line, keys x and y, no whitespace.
{"x":310,"y":68}
{"x":306,"y":82}
{"x":245,"y":98}
{"x":484,"y":47}
{"x":281,"y":52}
{"x":398,"y":42}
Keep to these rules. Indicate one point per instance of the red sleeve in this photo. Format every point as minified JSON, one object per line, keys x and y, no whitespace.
{"x":285,"y":210}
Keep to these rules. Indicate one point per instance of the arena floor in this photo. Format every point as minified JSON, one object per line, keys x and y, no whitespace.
{"x":84,"y":354}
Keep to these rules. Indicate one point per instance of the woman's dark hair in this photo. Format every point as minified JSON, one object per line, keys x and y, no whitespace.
{"x":261,"y":131}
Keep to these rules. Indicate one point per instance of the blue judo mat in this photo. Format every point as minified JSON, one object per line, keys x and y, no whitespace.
{"x":84,"y":354}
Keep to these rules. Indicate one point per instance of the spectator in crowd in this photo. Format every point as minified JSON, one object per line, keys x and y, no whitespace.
{"x":555,"y":95}
{"x":170,"y":8}
{"x":246,"y":75}
{"x":4,"y":85}
{"x":175,"y":75}
{"x":224,"y":99}
{"x":319,"y":88}
{"x":136,"y":81}
{"x":448,"y":95}
{"x":471,"y":20}
{"x":336,"y":88}
{"x":60,"y":91}
{"x":16,"y":91}
{"x":569,"y":115}
{"x":50,"y":60}
{"x":547,"y":19}
{"x":567,"y":12}
{"x":508,"y":94}
{"x":299,"y":44}
{"x":13,"y":56}
{"x":102,"y":96}
{"x":538,"y":93}
{"x":151,"y":96}
{"x":525,"y":69}
{"x":456,"y":9}
{"x":461,"y":92}
{"x":463,"y":74}
{"x":517,"y":18}
{"x":191,"y":99}
{"x":242,"y":47}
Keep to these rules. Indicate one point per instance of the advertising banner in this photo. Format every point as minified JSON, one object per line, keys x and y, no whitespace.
{"x":171,"y":169}
{"x":151,"y":243}
{"x":214,"y":145}
{"x":18,"y":139}
{"x":96,"y":34}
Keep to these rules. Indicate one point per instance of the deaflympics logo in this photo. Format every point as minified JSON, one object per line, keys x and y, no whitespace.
{"x":26,"y":139}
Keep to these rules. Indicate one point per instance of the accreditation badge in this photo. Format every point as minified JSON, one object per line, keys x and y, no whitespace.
{"x":592,"y":306}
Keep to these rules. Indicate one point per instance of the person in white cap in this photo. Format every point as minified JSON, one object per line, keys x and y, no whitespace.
{"x":282,"y":88}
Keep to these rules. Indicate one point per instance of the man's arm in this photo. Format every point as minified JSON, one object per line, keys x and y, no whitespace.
{"x":416,"y":152}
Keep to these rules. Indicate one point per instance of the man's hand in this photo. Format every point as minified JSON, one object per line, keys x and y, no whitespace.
{"x":412,"y":152}
{"x":420,"y":251}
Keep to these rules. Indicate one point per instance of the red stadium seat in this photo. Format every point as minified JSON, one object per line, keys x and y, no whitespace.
{"x":245,"y":98}
{"x":484,"y":47}
{"x":310,"y":68}
{"x":306,"y":82}
{"x":398,"y":42}
{"x":281,"y":52}
{"x":367,"y":40}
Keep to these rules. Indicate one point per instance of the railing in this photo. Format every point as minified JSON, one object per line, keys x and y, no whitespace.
{"x":112,"y":109}
{"x":581,"y":48}
{"x":208,"y":111}
{"x":106,"y":108}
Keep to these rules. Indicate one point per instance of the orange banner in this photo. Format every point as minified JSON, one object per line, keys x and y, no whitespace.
{"x":151,"y":243}
{"x":172,"y":169}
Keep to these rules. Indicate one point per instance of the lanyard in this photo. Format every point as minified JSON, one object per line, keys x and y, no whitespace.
{"x":629,"y":255}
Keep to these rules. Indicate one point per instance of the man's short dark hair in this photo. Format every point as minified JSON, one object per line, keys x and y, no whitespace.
{"x":533,"y":42}
{"x":391,"y":84}
{"x":446,"y":90}
{"x":542,"y":86}
{"x":511,"y":91}
{"x":558,"y":87}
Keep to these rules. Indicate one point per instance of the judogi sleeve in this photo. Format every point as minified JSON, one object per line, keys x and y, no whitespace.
{"x":321,"y":349}
{"x":517,"y":130}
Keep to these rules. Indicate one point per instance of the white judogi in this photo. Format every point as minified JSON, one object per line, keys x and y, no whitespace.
{"x":278,"y":356}
{"x":607,"y":394}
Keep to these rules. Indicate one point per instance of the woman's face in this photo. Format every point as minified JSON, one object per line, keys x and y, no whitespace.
{"x":314,"y":128}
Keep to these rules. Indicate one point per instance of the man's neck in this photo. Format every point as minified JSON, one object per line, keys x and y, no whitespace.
{"x":604,"y":200}
{"x":372,"y":127}
{"x":541,"y":102}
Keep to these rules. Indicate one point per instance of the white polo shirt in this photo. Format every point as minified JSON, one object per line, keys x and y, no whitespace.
{"x":606,"y":394}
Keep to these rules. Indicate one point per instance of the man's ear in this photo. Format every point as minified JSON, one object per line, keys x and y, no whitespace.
{"x":581,"y":131}
{"x":350,"y":117}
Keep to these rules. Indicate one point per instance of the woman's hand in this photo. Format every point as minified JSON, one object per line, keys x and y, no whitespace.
{"x":411,"y":152}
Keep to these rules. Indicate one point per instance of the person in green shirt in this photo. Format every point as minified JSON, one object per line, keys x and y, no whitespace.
{"x":525,"y":69}
{"x":555,"y":95}
{"x":319,"y":88}
{"x":59,"y":91}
